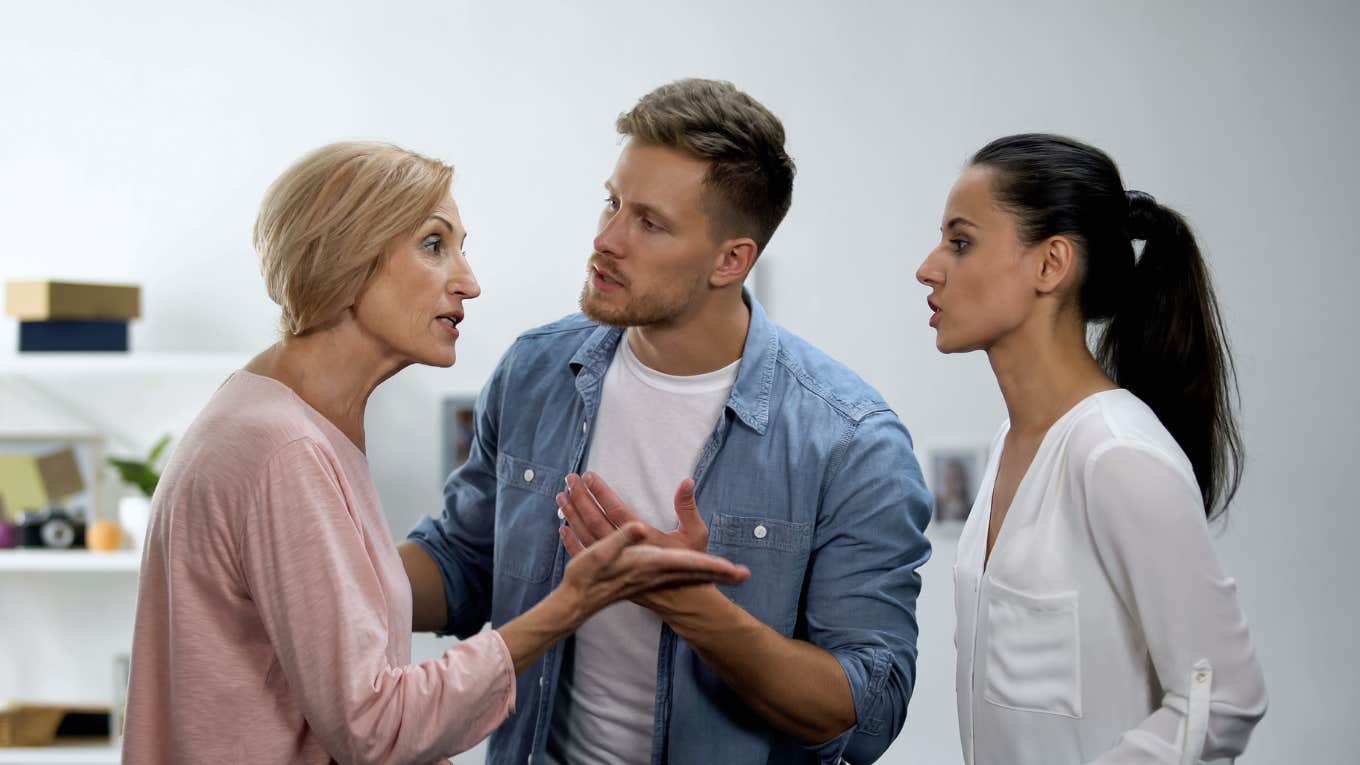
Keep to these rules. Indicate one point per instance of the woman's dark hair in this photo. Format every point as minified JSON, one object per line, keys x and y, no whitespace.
{"x":1162,"y":337}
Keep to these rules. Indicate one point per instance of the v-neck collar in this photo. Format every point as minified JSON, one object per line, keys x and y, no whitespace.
{"x":1054,"y":434}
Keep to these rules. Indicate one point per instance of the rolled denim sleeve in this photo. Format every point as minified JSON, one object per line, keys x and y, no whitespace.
{"x":862,"y":589}
{"x":462,"y":540}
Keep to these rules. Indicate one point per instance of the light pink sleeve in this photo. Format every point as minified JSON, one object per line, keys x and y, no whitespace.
{"x":323,"y":607}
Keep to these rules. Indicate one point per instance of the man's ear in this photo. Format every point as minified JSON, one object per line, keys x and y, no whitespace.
{"x":733,"y":262}
{"x":1057,"y":264}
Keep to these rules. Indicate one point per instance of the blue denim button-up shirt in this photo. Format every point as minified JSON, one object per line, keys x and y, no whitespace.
{"x":806,"y":451}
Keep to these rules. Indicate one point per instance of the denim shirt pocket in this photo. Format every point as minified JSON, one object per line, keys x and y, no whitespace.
{"x":776,"y":551}
{"x":526,"y":517}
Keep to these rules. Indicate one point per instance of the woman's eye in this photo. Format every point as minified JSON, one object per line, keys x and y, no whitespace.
{"x":432,"y":244}
{"x":612,"y":203}
{"x":959,"y":244}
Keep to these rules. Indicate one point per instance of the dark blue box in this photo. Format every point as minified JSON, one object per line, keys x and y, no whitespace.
{"x":81,"y":335}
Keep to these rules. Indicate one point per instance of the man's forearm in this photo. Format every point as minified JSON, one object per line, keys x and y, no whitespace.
{"x":429,"y":608}
{"x":797,"y":687}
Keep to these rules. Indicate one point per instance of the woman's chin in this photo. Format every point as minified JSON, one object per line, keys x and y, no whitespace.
{"x":444,"y":358}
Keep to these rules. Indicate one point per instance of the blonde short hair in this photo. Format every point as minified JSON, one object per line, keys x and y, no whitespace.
{"x":325,"y":223}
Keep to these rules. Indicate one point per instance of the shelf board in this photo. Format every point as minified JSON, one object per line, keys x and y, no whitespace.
{"x":122,"y":363}
{"x":88,"y":754}
{"x":69,"y":560}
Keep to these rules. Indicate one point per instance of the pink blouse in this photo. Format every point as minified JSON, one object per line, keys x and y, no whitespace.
{"x":274,"y":615}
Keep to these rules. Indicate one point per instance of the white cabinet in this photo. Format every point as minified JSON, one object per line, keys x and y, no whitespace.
{"x":66,"y":615}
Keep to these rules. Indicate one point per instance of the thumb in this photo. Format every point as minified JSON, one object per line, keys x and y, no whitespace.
{"x":686,"y":508}
{"x":625,"y":536}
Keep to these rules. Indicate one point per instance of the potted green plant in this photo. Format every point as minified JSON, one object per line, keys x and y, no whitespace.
{"x":134,"y":509}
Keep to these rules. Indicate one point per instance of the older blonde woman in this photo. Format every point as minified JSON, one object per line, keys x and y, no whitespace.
{"x":274,"y":615}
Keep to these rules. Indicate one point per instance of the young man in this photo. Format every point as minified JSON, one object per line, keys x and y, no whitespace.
{"x":800,"y":470}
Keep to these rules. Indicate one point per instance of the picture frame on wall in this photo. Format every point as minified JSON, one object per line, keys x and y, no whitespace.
{"x":955,"y":476}
{"x":457,"y":420}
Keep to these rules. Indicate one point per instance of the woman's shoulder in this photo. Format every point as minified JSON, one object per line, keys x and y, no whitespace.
{"x":1117,"y":425}
{"x":246,"y":423}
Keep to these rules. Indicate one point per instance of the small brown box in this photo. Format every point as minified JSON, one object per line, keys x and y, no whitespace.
{"x":46,"y":300}
{"x":34,"y":725}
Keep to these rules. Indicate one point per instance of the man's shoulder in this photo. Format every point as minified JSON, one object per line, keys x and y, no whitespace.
{"x":559,"y":338}
{"x":574,"y":322}
{"x":820,"y":375}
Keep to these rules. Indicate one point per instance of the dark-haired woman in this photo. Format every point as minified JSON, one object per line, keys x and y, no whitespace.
{"x":1094,"y":621}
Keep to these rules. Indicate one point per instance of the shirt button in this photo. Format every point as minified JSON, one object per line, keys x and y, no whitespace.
{"x":561,"y":516}
{"x":760,"y":532}
{"x":528,"y":476}
{"x":585,"y":426}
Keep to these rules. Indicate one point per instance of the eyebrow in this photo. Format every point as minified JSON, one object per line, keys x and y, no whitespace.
{"x":960,"y":221}
{"x":644,"y":208}
{"x":653,"y":212}
{"x":449,"y":226}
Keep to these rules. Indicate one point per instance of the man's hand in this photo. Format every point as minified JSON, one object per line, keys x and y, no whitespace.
{"x":593,"y":511}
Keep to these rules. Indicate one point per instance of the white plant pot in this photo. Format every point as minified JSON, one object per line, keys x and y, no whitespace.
{"x":134,"y":513}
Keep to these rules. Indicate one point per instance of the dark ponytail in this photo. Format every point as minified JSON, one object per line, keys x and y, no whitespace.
{"x":1162,"y":337}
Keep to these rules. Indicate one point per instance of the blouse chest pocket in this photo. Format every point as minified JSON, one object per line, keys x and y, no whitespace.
{"x":776,"y":551}
{"x":526,"y":517}
{"x":1033,"y":651}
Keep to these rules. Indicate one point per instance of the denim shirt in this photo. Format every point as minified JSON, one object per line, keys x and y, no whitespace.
{"x":809,"y":479}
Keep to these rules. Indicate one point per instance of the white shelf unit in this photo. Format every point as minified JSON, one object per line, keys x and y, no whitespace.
{"x":40,"y":363}
{"x":90,"y":754}
{"x":79,"y":596}
{"x":38,"y":561}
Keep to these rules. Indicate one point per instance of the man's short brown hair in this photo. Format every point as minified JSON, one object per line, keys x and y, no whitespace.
{"x":749,"y":184}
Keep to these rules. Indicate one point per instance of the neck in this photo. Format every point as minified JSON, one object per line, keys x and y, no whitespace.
{"x":1044,"y":369}
{"x":707,"y":338}
{"x":334,"y":370}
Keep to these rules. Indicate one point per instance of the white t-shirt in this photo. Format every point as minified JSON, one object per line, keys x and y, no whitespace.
{"x":1103,"y":630}
{"x":648,"y":436}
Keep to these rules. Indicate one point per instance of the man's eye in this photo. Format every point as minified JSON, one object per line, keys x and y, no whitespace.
{"x":612,"y":203}
{"x":648,"y":225}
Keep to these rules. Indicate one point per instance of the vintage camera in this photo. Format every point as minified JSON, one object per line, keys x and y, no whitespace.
{"x":52,"y":528}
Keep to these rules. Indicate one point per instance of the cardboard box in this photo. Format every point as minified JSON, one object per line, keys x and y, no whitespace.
{"x":46,"y":300}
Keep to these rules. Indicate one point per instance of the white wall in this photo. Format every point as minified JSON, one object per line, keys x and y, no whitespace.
{"x":136,"y":142}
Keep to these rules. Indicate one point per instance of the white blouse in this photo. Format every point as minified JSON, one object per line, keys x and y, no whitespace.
{"x":1102,"y":630}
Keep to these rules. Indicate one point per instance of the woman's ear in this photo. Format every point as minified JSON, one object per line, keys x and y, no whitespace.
{"x":1057,"y":264}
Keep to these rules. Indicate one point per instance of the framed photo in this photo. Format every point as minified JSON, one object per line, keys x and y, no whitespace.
{"x":954,"y":477}
{"x":41,"y":471}
{"x":457,"y":420}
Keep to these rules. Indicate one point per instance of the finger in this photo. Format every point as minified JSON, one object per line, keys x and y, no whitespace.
{"x":587,"y":509}
{"x":687,"y":509}
{"x":610,"y":502}
{"x":655,"y":561}
{"x":612,"y":546}
{"x":570,"y":541}
{"x":583,"y":529}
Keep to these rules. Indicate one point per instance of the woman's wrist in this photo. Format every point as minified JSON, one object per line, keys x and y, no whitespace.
{"x":529,"y":635}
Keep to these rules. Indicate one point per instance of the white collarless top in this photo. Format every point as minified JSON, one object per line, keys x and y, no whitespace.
{"x":648,"y":436}
{"x":1103,"y":629}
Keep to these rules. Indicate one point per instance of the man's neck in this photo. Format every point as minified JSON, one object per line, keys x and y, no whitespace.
{"x":707,"y":340}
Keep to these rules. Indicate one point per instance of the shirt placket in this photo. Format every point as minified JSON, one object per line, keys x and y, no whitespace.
{"x":588,"y":389}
